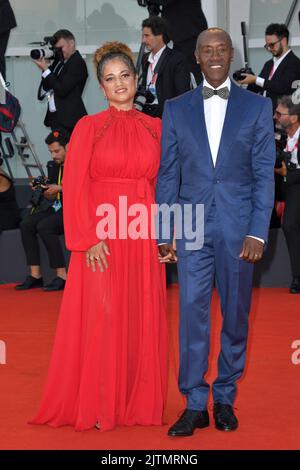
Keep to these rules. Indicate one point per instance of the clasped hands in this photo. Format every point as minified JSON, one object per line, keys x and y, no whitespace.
{"x":167,"y":253}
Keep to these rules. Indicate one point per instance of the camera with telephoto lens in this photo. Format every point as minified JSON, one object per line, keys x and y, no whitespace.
{"x":47,"y":50}
{"x":40,"y":184}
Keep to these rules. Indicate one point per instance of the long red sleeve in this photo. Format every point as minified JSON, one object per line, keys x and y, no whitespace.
{"x":78,"y":210}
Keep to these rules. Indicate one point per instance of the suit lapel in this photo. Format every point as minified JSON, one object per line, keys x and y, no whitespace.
{"x":283,"y":64}
{"x":196,"y":120}
{"x":162,"y":61}
{"x":63,"y":67}
{"x":159,"y":66}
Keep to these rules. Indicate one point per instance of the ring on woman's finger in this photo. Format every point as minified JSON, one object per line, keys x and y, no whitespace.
{"x":96,"y":258}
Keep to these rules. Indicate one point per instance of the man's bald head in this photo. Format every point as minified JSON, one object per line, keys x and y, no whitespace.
{"x":213,"y":31}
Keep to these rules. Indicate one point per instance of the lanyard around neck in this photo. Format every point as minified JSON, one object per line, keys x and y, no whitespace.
{"x":59,"y":182}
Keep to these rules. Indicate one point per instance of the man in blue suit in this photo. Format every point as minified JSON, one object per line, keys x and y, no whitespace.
{"x":217,"y":151}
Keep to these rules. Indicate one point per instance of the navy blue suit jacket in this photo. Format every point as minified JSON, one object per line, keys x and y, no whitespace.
{"x":242,"y":182}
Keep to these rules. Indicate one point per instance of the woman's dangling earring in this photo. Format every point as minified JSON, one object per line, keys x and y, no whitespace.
{"x":104,"y":95}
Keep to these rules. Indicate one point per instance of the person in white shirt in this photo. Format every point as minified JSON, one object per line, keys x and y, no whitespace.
{"x":279,"y":73}
{"x":287,"y":116}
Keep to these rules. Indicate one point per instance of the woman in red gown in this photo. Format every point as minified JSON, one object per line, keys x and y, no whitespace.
{"x":109,"y":362}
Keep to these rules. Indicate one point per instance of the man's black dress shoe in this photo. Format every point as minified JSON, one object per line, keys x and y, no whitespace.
{"x":225,"y":419}
{"x":57,"y":283}
{"x":295,"y":286}
{"x":30,"y":283}
{"x":188,"y":422}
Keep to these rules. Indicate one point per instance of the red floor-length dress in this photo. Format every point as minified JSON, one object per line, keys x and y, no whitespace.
{"x":109,"y":362}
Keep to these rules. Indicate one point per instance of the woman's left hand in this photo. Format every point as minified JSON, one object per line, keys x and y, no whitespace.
{"x":97,"y":255}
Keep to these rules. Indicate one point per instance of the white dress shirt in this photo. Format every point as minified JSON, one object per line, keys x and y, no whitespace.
{"x":49,"y":94}
{"x":214,"y":112}
{"x":276,"y":62}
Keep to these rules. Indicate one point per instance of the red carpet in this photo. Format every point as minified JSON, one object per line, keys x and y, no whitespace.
{"x":268,"y":403}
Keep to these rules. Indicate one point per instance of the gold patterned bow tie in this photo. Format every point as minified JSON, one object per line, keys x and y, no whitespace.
{"x":209,"y":92}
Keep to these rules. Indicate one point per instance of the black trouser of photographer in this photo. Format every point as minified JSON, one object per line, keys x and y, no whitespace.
{"x":54,"y":124}
{"x":291,"y":219}
{"x":49,"y":225}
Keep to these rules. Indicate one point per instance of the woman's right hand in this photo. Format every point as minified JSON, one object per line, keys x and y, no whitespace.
{"x":96,"y":255}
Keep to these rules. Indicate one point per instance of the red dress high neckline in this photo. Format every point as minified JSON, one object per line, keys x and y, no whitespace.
{"x":122,"y":113}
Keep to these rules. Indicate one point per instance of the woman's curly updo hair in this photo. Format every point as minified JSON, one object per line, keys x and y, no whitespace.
{"x":112,"y":50}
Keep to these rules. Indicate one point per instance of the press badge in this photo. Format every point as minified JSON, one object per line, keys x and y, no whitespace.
{"x":57,"y":206}
{"x":152,"y":90}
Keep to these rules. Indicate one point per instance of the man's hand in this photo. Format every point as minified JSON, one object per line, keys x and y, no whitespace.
{"x":252,"y":250}
{"x":167,"y":254}
{"x":52,"y":191}
{"x":42,"y":64}
{"x":96,"y":255}
{"x":248,"y":80}
{"x":281,"y":171}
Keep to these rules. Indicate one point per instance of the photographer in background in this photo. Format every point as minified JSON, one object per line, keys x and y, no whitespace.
{"x":45,"y":218}
{"x":287,"y":116}
{"x":7,"y":22}
{"x":164,"y":71}
{"x":275,"y":81}
{"x":63,"y":82}
{"x":279,"y":73}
